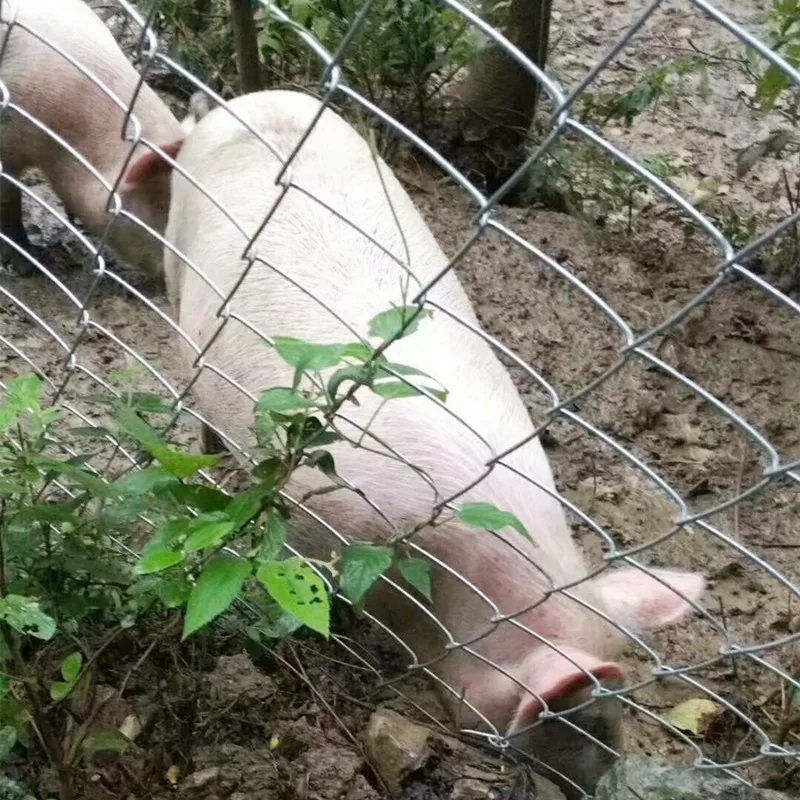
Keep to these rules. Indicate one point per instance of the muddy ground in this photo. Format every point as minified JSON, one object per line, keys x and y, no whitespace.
{"x":213,"y":713}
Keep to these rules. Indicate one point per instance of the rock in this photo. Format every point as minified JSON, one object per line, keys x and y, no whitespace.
{"x":361,"y":790}
{"x":396,"y":747}
{"x":546,"y":789}
{"x":470,"y":789}
{"x":201,"y":778}
{"x":645,"y":779}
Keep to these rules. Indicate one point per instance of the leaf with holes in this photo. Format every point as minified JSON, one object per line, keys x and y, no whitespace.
{"x":362,"y":565}
{"x":296,"y":588}
{"x":24,"y":615}
{"x":486,"y":516}
{"x":217,"y":587}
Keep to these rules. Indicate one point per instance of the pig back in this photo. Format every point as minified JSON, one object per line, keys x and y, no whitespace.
{"x":317,"y":278}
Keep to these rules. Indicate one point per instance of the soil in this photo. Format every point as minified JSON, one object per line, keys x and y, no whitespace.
{"x":293,"y":724}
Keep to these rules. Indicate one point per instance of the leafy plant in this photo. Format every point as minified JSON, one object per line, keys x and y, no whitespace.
{"x":655,"y":86}
{"x":783,"y":37}
{"x":65,"y":511}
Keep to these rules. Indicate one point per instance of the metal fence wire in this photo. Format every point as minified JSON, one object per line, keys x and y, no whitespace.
{"x":707,"y":482}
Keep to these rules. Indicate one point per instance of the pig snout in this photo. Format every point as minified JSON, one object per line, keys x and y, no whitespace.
{"x":512,"y":654}
{"x":76,"y":122}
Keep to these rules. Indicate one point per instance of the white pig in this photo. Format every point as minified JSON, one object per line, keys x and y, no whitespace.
{"x":507,"y":675}
{"x":45,"y":85}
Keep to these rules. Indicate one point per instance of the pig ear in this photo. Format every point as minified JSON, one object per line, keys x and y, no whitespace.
{"x":643,"y":601}
{"x":150,"y":165}
{"x":556,"y":674}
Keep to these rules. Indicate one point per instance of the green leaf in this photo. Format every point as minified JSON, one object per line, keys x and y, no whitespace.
{"x":217,"y":587}
{"x":71,"y":667}
{"x":59,"y":690}
{"x":281,"y":399}
{"x":149,"y":403}
{"x":107,"y":740}
{"x":158,"y":561}
{"x":323,"y":461}
{"x":396,"y":390}
{"x":315,"y":434}
{"x":76,"y":475}
{"x":205,"y":533}
{"x":296,"y":588}
{"x":244,"y":507}
{"x":136,"y":427}
{"x":145,"y":481}
{"x":52,"y":513}
{"x":307,"y":357}
{"x":91,"y":432}
{"x":486,"y":516}
{"x":183,"y":465}
{"x":391,"y":324}
{"x":417,"y":571}
{"x":362,"y":352}
{"x":203,"y":498}
{"x":361,"y":375}
{"x":8,"y":738}
{"x":166,"y":536}
{"x":24,"y":615}
{"x":271,"y":472}
{"x":24,"y":393}
{"x":362,"y":565}
{"x":273,"y":537}
{"x":174,"y":593}
{"x":769,"y":88}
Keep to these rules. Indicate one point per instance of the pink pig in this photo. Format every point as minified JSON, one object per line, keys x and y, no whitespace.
{"x":497,"y":674}
{"x":54,"y":92}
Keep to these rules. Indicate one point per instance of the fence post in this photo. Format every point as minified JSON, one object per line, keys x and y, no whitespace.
{"x":245,"y":38}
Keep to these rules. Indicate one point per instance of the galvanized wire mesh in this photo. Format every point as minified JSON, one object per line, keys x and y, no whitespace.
{"x":91,"y":335}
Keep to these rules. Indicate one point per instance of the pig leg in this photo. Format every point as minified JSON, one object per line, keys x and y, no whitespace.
{"x":11,"y":225}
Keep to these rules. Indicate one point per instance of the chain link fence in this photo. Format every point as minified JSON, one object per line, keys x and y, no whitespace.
{"x":658,"y":359}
